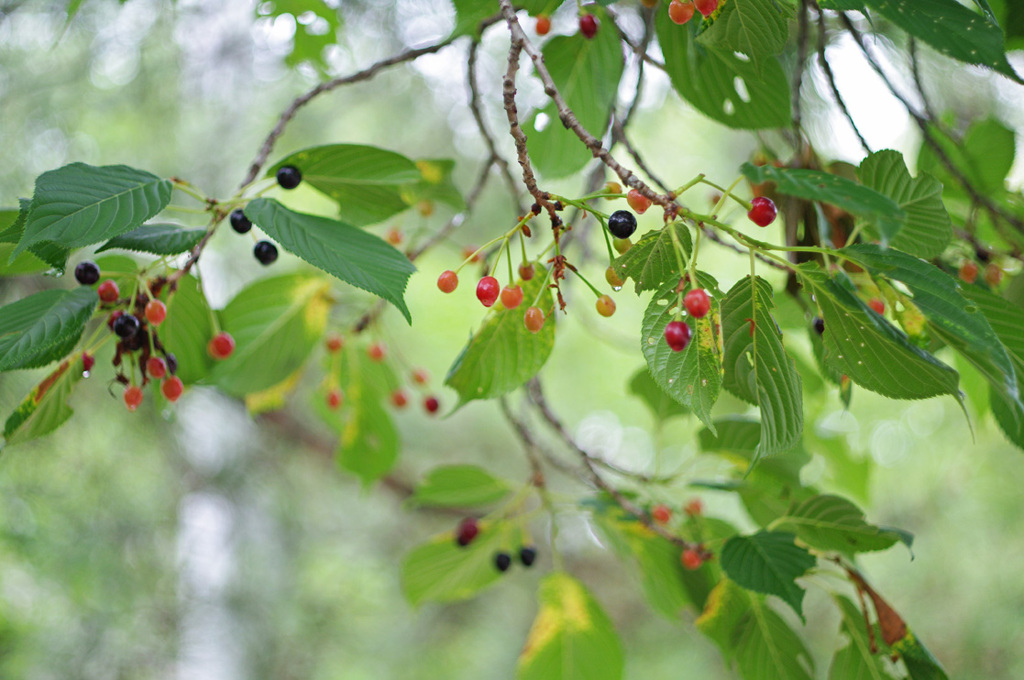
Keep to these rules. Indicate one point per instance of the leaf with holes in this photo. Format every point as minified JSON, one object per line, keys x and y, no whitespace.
{"x":365,"y":181}
{"x":80,"y":204}
{"x":927,"y":229}
{"x":43,"y":327}
{"x":757,"y":368}
{"x":727,"y":88}
{"x":503,"y":354}
{"x":459,"y":486}
{"x":768,"y":562}
{"x":864,"y":346}
{"x":832,"y":523}
{"x":693,"y":377}
{"x":952,"y":29}
{"x":652,"y":261}
{"x":814,"y":185}
{"x":951,"y":317}
{"x":757,"y":28}
{"x":276,"y":323}
{"x":158,"y":239}
{"x":571,"y":638}
{"x":45,"y":408}
{"x":351,"y":254}
{"x":587,"y":74}
{"x":442,"y":571}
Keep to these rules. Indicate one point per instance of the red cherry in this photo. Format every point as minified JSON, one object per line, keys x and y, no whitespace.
{"x":543,"y":25}
{"x":511,"y":296}
{"x":88,"y":361}
{"x":132,"y":397}
{"x":526,"y":271}
{"x":399,"y":398}
{"x":661,"y":514}
{"x":697,"y":302}
{"x":677,"y":335}
{"x":762,"y":210}
{"x":108,"y":291}
{"x":334,"y":343}
{"x":377,"y":351}
{"x":877,"y":305}
{"x":694,"y":507}
{"x":588,"y":26}
{"x":534,"y":319}
{"x":334,"y":398}
{"x":993,"y":275}
{"x":680,"y":12}
{"x":172,"y":388}
{"x":969,"y":272}
{"x":156,"y":367}
{"x":420,"y":376}
{"x":467,"y":530}
{"x":394,"y":237}
{"x":448,"y":281}
{"x":638,"y":202}
{"x":487,"y":290}
{"x":691,"y":559}
{"x":431,"y":404}
{"x":469,"y":253}
{"x":221,"y":345}
{"x":605,"y":305}
{"x":156,"y":312}
{"x":706,"y":7}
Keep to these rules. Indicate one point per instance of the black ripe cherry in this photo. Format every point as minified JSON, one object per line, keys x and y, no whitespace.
{"x":762,"y":210}
{"x":697,"y":303}
{"x":528,"y":555}
{"x":126,"y":325}
{"x":239,"y":222}
{"x":265,"y":252}
{"x":588,"y":26}
{"x":622,"y":224}
{"x":87,"y":273}
{"x":502,"y":561}
{"x":677,"y":335}
{"x":819,"y":325}
{"x":466,"y":532}
{"x":487,"y":291}
{"x":289,"y":177}
{"x":172,"y":363}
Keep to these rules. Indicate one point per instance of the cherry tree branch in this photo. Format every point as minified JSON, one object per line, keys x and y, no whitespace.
{"x":826,"y":68}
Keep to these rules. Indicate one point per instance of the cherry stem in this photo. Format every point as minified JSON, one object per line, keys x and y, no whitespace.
{"x":693,"y":182}
{"x":543,"y":286}
{"x":728,"y":192}
{"x":190,"y":189}
{"x":584,"y":279}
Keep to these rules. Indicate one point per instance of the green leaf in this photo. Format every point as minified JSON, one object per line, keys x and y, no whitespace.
{"x":757,"y":28}
{"x":766,"y":647}
{"x":724,"y":609}
{"x":920,"y":663}
{"x":187,"y":330}
{"x":950,"y":316}
{"x":365,"y":181}
{"x":662,"y":406}
{"x":692,"y":377}
{"x":459,"y":486}
{"x":436,"y":184}
{"x":587,"y":74}
{"x":441,"y":571}
{"x":276,"y":323}
{"x":44,"y":327}
{"x":10,"y":226}
{"x":571,"y":638}
{"x":768,"y":562}
{"x":984,"y":156}
{"x":80,"y":204}
{"x":45,"y":408}
{"x":952,"y":29}
{"x":927,"y":229}
{"x":369,"y":443}
{"x":871,"y":351}
{"x":351,"y":254}
{"x":733,"y":91}
{"x":158,"y":239}
{"x":832,"y":523}
{"x":26,"y":263}
{"x":52,"y":255}
{"x":814,"y":185}
{"x":652,"y":261}
{"x":503,"y":354}
{"x":855,"y":661}
{"x":757,"y":368}
{"x":665,"y":582}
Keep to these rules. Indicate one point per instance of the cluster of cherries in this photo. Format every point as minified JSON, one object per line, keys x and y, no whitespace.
{"x":693,"y":557}
{"x":681,"y":11}
{"x":288,"y":177}
{"x":969,"y":273}
{"x":469,"y":529}
{"x":377,"y":351}
{"x":134,"y":321}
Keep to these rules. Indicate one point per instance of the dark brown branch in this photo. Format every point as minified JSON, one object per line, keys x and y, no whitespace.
{"x":803,"y":33}
{"x":830,"y":77}
{"x":918,"y":83}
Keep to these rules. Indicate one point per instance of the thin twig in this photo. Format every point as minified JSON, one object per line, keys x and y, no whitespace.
{"x":916,"y":72}
{"x":827,"y":69}
{"x":803,"y":33}
{"x":717,"y":238}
